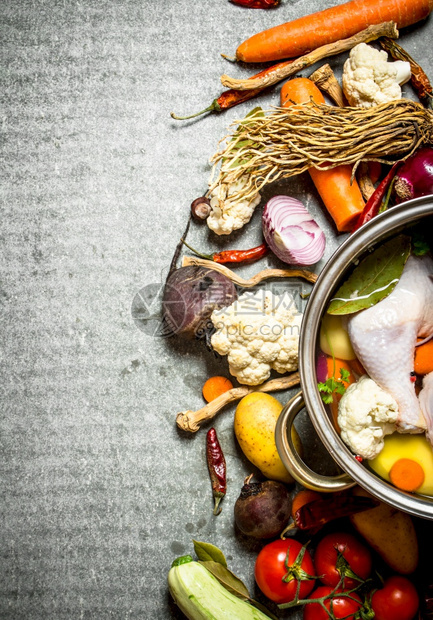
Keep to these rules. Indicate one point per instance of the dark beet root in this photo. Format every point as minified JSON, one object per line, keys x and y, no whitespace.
{"x":262,"y":509}
{"x":190,"y":296}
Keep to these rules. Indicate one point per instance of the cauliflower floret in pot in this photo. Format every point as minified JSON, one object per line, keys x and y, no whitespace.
{"x":366,"y":413}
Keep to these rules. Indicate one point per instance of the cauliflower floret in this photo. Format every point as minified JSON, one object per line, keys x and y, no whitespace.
{"x":239,"y":358}
{"x":369,"y":79}
{"x":366,"y":413}
{"x":227,"y":216}
{"x":253,"y":374}
{"x":259,"y":332}
{"x":288,"y":354}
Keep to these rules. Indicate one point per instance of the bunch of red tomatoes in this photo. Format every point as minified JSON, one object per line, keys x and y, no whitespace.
{"x":287,"y":574}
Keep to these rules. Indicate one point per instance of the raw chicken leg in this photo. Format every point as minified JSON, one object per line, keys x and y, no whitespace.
{"x":384,"y":338}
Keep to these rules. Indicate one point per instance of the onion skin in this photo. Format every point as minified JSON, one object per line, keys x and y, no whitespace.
{"x":415,"y":177}
{"x":190,"y":296}
{"x":291,"y":233}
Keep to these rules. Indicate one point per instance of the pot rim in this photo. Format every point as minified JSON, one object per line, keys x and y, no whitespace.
{"x":382,"y":226}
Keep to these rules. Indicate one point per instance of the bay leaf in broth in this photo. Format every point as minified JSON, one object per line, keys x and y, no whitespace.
{"x":373,"y":279}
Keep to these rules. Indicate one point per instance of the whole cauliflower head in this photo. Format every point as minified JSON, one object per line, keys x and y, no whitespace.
{"x":366,"y":413}
{"x":258,"y":332}
{"x":369,"y":79}
{"x":227,"y":212}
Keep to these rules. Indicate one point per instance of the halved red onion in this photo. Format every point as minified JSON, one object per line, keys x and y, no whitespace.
{"x":291,"y":233}
{"x":415,"y":177}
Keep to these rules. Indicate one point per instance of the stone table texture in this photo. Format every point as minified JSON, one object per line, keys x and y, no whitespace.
{"x":99,"y":490}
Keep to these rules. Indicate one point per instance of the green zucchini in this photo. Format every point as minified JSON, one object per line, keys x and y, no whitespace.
{"x":201,"y":596}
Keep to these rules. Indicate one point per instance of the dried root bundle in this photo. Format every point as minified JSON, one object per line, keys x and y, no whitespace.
{"x":288,"y":141}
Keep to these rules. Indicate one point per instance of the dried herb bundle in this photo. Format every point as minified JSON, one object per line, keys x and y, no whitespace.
{"x":287,"y":141}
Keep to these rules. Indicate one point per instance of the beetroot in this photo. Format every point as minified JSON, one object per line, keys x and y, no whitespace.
{"x":262,"y":509}
{"x":190,"y":296}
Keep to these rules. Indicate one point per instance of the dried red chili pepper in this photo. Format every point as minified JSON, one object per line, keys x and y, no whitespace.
{"x":316,"y":514}
{"x":232,"y":97}
{"x":241,"y":256}
{"x":217,"y":468}
{"x":374,"y":203}
{"x":257,"y":4}
{"x":234,"y":256}
{"x":419,"y":79}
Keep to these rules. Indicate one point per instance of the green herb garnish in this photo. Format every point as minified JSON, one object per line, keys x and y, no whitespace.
{"x":334,"y":386}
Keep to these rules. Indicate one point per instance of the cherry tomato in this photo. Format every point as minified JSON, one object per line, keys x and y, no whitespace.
{"x":397,"y":600}
{"x":342,"y":605}
{"x":279,"y":567}
{"x":356,"y":554}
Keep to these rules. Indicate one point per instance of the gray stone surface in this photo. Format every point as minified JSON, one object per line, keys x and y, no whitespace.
{"x":99,"y":490}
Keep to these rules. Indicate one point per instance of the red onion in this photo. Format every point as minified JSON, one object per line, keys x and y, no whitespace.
{"x":321,"y":367}
{"x":415,"y":177}
{"x":291,"y":232}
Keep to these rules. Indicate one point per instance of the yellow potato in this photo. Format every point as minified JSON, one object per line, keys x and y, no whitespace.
{"x":334,"y":339}
{"x":391,"y":533}
{"x":398,"y":446}
{"x":254,"y":425}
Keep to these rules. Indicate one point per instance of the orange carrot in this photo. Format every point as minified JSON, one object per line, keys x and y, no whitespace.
{"x":407,"y":475}
{"x":424,"y":358}
{"x":334,"y":366}
{"x":309,"y":32}
{"x":215,"y":386}
{"x":341,"y":196}
{"x":303,"y":497}
{"x":356,"y":367}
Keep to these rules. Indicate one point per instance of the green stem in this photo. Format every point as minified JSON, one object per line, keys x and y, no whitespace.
{"x":321,"y":601}
{"x":213,"y":107}
{"x":384,"y":205}
{"x":216,"y":506}
{"x":206,"y":256}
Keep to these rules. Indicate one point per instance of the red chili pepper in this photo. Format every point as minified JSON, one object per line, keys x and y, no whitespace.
{"x":374,"y":203}
{"x":217,"y":468}
{"x":230,"y":98}
{"x":234,"y":256}
{"x":240,"y":256}
{"x":257,"y":4}
{"x":315,"y":514}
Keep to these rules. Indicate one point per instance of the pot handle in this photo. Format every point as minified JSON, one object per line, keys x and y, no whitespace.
{"x":291,"y":459}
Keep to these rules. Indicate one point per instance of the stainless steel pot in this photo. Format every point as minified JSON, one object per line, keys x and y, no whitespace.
{"x":387,"y":224}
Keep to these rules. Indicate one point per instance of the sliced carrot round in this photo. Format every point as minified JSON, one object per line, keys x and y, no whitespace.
{"x":215,"y":386}
{"x":424,"y":358}
{"x":407,"y":475}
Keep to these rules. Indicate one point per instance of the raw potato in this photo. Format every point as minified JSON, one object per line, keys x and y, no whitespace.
{"x":254,"y":425}
{"x":334,"y":339}
{"x":391,"y":533}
